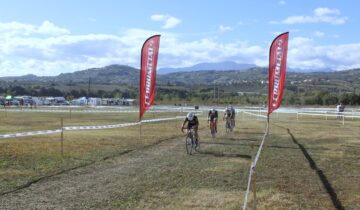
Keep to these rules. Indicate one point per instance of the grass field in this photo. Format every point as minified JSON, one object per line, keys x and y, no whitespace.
{"x":312,"y":163}
{"x":25,"y":159}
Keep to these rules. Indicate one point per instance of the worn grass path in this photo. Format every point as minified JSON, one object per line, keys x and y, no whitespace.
{"x":159,"y":176}
{"x":306,"y":164}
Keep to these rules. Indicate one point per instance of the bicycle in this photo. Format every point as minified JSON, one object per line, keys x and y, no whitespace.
{"x":228,"y":125}
{"x":212,"y":128}
{"x":190,"y":141}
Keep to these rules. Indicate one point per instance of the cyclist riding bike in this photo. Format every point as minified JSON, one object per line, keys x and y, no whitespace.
{"x":232,"y":116}
{"x":229,"y":115}
{"x":212,"y":118}
{"x":191,"y":122}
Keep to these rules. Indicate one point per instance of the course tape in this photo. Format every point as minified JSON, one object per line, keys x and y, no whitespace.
{"x":86,"y":111}
{"x":253,"y":166}
{"x":79,"y":128}
{"x":257,"y":115}
{"x":32,"y":133}
{"x":328,"y":115}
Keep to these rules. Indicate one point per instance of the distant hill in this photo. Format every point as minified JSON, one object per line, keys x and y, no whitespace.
{"x":221,"y":66}
{"x":230,"y":65}
{"x":251,"y":78}
{"x":110,"y":74}
{"x":297,"y":70}
{"x":214,"y":77}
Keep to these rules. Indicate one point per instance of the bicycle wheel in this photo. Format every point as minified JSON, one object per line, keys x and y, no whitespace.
{"x":227,"y":126}
{"x":212,"y":130}
{"x":189,"y":143}
{"x":197,"y":145}
{"x":232,"y":125}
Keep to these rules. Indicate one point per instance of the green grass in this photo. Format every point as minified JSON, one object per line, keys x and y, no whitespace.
{"x":25,"y":159}
{"x":312,"y":163}
{"x":31,"y":121}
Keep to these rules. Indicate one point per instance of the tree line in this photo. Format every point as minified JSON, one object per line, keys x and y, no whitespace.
{"x":192,"y":95}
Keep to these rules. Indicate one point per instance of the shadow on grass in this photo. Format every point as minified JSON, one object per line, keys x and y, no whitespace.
{"x":223,"y":143}
{"x":329,"y":189}
{"x":257,"y":145}
{"x":237,"y":139}
{"x":220,"y":154}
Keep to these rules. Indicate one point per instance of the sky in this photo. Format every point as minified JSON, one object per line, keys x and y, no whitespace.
{"x":49,"y":37}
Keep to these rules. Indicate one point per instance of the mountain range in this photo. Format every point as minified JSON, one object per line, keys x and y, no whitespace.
{"x":205,"y":73}
{"x":230,"y":65}
{"x":220,"y":66}
{"x":251,"y":79}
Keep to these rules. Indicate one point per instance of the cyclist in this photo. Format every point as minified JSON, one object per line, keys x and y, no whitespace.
{"x":228,"y":115}
{"x":232,"y":116}
{"x":213,"y":117}
{"x":192,"y":123}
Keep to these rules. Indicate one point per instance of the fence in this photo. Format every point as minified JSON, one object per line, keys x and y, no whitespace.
{"x":28,"y":156}
{"x":252,"y":171}
{"x":326,"y":115}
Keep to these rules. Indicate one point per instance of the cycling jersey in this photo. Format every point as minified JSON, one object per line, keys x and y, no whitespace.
{"x":212,"y":115}
{"x":193,"y":123}
{"x":228,"y":112}
{"x":232,"y":112}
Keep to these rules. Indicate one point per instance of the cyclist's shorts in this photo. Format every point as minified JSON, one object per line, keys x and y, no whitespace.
{"x":191,"y":127}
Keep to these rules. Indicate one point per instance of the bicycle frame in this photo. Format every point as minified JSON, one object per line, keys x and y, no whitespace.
{"x":212,"y":126}
{"x":190,"y":143}
{"x":228,"y":124}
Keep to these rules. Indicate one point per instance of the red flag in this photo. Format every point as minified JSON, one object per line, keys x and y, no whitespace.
{"x":277,"y":70}
{"x":149,"y":57}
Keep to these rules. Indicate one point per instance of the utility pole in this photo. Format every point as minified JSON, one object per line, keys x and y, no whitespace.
{"x":218,"y":96}
{"x":88,"y":93}
{"x":214,"y":92}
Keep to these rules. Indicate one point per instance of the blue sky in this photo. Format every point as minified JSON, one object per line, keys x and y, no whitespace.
{"x":52,"y":37}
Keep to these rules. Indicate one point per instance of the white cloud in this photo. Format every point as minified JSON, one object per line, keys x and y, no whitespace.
{"x":23,"y":29}
{"x":53,"y":54}
{"x":319,"y":34}
{"x":320,"y":15}
{"x":169,"y":21}
{"x":16,"y":28}
{"x":282,"y":2}
{"x":223,"y":28}
{"x":304,"y":53}
{"x":323,"y":11}
{"x":67,"y":53}
{"x":49,"y":28}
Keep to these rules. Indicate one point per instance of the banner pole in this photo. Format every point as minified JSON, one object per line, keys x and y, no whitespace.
{"x":62,"y":138}
{"x":140,"y":129}
{"x":268,"y":124}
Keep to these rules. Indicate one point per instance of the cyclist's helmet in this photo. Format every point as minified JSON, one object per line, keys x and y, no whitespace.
{"x":190,"y":116}
{"x":212,"y":111}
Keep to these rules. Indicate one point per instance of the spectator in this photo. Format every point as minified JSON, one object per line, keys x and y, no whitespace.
{"x":342,"y":107}
{"x":337,"y":111}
